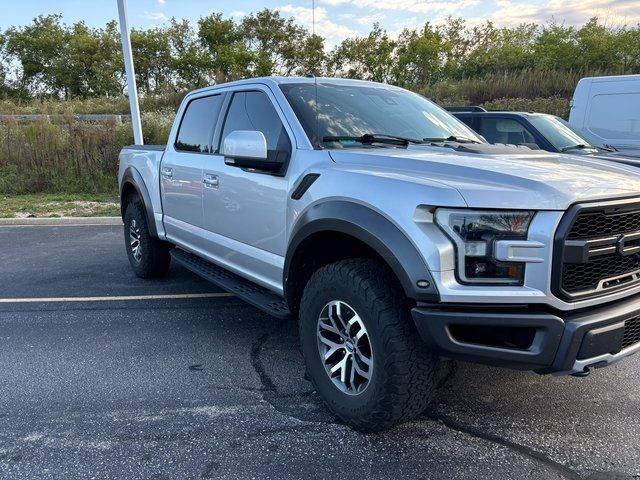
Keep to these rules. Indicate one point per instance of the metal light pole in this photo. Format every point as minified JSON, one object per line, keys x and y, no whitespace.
{"x":130,"y":72}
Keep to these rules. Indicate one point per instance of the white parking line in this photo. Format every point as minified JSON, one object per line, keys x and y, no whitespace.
{"x":115,"y":298}
{"x":61,"y":225}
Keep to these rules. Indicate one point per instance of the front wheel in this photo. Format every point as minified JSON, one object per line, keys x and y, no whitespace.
{"x":149,"y":256}
{"x":362,"y":351}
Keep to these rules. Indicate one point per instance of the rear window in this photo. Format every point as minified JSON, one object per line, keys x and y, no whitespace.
{"x":198,"y":122}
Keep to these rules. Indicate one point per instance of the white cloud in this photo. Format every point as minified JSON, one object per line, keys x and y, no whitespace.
{"x":156,"y":16}
{"x":569,"y":12}
{"x":162,"y":2}
{"x":238,"y":14}
{"x":332,"y":32}
{"x":370,"y":19}
{"x":416,"y":6}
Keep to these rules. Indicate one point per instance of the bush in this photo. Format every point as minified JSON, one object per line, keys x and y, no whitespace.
{"x":98,"y":105}
{"x":553,"y":105}
{"x":527,"y":84}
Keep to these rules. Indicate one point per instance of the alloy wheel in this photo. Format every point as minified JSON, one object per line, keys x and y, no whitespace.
{"x":345,"y":348}
{"x":134,"y":241}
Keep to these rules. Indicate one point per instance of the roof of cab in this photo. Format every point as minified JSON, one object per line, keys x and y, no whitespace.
{"x":278,"y":80}
{"x":502,"y":113}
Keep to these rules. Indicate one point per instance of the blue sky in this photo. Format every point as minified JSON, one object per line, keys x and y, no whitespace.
{"x":335,"y":19}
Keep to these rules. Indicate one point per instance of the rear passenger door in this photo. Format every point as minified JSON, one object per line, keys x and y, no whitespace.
{"x":182,"y":166}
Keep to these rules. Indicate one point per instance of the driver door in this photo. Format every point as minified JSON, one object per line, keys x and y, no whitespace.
{"x":245,"y":209}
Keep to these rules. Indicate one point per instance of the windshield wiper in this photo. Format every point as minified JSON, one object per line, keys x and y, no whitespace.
{"x":580,"y":146}
{"x":370,"y":138}
{"x":451,"y":138}
{"x":608,"y":148}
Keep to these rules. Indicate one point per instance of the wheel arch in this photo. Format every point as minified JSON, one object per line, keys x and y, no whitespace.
{"x":335,"y":230}
{"x":132,"y":184}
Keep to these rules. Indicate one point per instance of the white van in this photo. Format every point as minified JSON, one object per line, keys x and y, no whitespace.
{"x":607,"y":110}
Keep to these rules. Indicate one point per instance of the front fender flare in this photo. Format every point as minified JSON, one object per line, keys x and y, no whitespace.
{"x":373,"y":229}
{"x":133,"y":178}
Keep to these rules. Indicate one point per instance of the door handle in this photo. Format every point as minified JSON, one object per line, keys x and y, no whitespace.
{"x":210,"y":180}
{"x":167,"y":172}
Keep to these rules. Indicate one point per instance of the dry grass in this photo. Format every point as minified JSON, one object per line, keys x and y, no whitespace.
{"x":69,"y":156}
{"x":60,"y":205}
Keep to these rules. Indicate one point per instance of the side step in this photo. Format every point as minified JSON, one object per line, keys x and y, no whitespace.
{"x":248,"y":291}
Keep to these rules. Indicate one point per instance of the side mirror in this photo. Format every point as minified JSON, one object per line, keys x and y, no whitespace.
{"x":245,"y":144}
{"x":248,"y":149}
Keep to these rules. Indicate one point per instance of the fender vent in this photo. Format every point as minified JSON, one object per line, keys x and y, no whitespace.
{"x":304,"y":185}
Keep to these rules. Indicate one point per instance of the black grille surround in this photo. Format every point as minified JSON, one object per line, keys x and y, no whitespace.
{"x":597,"y":249}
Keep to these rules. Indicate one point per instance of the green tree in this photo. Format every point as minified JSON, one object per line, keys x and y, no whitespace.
{"x":37,"y":48}
{"x":368,"y":58}
{"x":597,"y":47}
{"x":190,"y":63}
{"x":4,"y":87}
{"x":90,"y":65}
{"x":152,"y":59}
{"x":420,"y":57}
{"x":501,"y":50}
{"x":277,"y":45}
{"x":312,"y":57}
{"x":224,"y":42}
{"x":628,"y":49}
{"x":556,"y":47}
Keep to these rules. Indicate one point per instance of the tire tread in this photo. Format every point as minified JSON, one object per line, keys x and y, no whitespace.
{"x":411,"y":371}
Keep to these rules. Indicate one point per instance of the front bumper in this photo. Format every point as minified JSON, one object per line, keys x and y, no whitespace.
{"x":530,"y":338}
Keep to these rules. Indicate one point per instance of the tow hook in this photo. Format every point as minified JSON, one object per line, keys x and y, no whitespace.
{"x":584,"y":373}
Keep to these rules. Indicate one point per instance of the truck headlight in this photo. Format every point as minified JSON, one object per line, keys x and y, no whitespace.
{"x":474,"y":233}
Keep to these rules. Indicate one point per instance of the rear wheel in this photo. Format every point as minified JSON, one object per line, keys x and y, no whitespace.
{"x":149,"y":256}
{"x":362,"y":351}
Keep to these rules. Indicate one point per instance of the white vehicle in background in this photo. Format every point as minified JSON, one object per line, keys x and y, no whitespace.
{"x":607,"y":109}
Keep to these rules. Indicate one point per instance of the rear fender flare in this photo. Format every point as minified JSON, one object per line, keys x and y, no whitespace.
{"x":133,"y":178}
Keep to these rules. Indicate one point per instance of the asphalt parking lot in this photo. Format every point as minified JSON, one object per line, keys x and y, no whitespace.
{"x":152,"y":383}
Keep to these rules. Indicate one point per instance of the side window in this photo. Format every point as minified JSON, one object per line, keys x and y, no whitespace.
{"x":254,"y":111}
{"x":470,"y":122}
{"x":197,"y":124}
{"x":505,"y":130}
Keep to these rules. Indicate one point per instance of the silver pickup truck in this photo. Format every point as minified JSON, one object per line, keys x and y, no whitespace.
{"x":393,"y":233}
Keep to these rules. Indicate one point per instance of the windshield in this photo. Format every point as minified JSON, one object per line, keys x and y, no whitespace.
{"x":559,"y":133}
{"x":358,"y":110}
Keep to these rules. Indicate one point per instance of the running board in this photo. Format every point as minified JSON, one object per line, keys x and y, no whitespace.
{"x":256,"y":295}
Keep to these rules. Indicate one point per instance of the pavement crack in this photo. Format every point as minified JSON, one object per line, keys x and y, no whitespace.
{"x":284,"y":403}
{"x":256,"y":363}
{"x":453,"y":369}
{"x":529,"y":452}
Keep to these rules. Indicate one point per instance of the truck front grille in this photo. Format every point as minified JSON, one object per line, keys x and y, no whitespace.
{"x":597,"y":250}
{"x":631,"y":332}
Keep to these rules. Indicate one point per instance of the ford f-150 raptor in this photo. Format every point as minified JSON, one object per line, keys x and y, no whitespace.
{"x":393,"y":233}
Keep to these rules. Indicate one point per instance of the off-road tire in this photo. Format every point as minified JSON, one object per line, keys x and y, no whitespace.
{"x":405,"y":373}
{"x":154,"y":258}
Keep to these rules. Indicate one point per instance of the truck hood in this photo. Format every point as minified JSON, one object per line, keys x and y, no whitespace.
{"x":532,"y":180}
